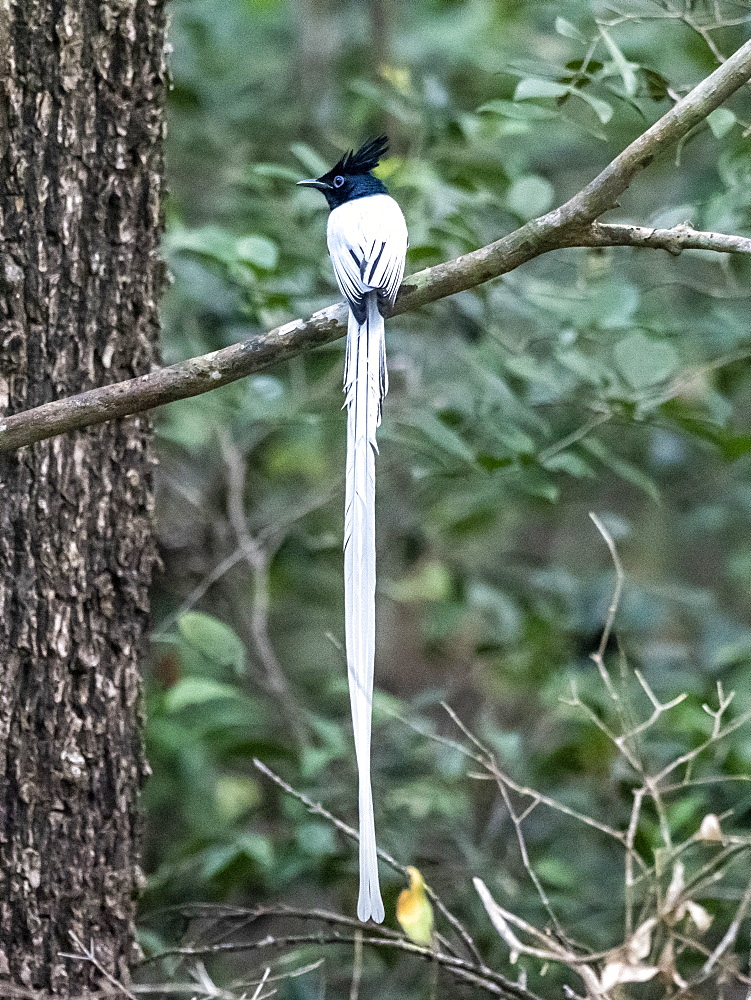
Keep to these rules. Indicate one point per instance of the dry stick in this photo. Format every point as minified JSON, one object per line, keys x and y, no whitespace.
{"x":518,"y":820}
{"x":570,"y":225}
{"x":317,"y":809}
{"x":623,"y":741}
{"x":271,"y":536}
{"x":630,"y":881}
{"x":553,"y":952}
{"x":354,"y":989}
{"x":251,"y":914}
{"x":651,"y":783}
{"x":730,"y":934}
{"x":599,"y":659}
{"x":615,"y":600}
{"x":495,"y":774}
{"x":257,"y":556}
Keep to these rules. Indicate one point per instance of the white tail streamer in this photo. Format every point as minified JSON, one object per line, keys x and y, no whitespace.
{"x":365,"y":385}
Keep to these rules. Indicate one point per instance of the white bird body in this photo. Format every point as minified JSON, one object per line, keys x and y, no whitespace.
{"x":367,"y":241}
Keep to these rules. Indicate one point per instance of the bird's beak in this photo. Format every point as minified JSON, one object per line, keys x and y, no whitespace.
{"x":318,"y":185}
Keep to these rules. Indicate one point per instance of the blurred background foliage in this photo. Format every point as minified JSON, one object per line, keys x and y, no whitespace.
{"x":612,"y":381}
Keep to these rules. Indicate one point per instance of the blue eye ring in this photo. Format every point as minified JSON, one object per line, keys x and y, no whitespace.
{"x":338,"y":181}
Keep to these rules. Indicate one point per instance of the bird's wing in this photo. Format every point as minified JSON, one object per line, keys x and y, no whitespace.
{"x":367,"y":240}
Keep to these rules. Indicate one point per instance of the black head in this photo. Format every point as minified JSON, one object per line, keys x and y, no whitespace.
{"x":351,"y":177}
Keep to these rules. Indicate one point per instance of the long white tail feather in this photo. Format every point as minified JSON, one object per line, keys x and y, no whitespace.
{"x":365,"y":384}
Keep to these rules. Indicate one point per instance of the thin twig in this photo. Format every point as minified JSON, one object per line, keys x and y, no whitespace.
{"x":728,"y":938}
{"x":354,"y":989}
{"x":615,"y":600}
{"x":554,"y":952}
{"x":521,"y":841}
{"x":257,"y":557}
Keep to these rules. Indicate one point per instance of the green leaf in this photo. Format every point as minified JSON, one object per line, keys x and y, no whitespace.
{"x":258,"y":251}
{"x":590,"y":66}
{"x":275,"y":170}
{"x":236,"y":795}
{"x":602,"y":109}
{"x":686,"y":810}
{"x":588,"y":369}
{"x":432,"y":582}
{"x":624,"y":67}
{"x":523,"y":112}
{"x":568,"y":30}
{"x":258,"y":847}
{"x":557,"y":872}
{"x":215,"y":640}
{"x":197,"y":691}
{"x":658,"y":86}
{"x":312,"y":161}
{"x":721,"y":120}
{"x":734,"y":446}
{"x":208,"y":241}
{"x":535,"y":86}
{"x":621,"y":468}
{"x":644,"y":362}
{"x":567,"y":461}
{"x":316,"y":839}
{"x":530,"y":196}
{"x":612,"y":303}
{"x":248,"y":846}
{"x":446,"y":440}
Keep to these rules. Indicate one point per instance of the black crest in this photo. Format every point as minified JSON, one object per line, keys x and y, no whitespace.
{"x":364,"y":160}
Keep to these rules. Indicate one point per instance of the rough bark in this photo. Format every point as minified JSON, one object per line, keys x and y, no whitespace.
{"x":81,"y":130}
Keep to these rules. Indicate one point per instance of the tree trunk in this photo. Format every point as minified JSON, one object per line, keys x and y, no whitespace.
{"x":81,"y":132}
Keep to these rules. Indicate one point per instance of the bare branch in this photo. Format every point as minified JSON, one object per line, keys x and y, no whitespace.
{"x":569,"y":225}
{"x":620,"y":576}
{"x":728,"y":938}
{"x":553,"y":952}
{"x":675,"y":240}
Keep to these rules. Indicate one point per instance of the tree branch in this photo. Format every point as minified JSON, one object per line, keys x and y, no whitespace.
{"x":569,"y":225}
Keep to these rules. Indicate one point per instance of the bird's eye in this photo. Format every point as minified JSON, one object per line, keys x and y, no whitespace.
{"x":338,"y":181}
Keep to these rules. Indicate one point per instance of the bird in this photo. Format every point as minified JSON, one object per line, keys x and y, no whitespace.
{"x":414,"y":910}
{"x":367,"y":242}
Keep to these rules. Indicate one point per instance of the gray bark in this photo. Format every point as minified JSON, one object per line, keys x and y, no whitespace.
{"x":81,"y":132}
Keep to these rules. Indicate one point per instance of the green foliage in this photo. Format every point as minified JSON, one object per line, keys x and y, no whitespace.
{"x":606,"y":380}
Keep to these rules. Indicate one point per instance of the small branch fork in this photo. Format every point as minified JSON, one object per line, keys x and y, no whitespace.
{"x":571,"y":225}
